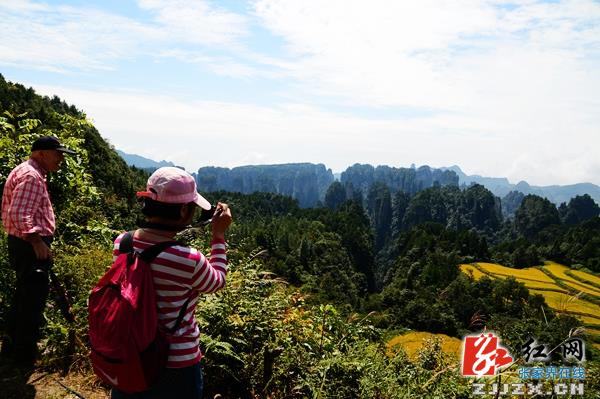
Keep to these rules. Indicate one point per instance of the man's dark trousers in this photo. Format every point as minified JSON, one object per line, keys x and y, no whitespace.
{"x":31,"y":291}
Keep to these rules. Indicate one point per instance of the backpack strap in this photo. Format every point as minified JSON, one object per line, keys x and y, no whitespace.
{"x":148,"y":256}
{"x":126,"y":243}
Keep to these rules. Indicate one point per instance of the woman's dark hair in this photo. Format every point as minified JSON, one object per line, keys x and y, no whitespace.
{"x":152,"y":208}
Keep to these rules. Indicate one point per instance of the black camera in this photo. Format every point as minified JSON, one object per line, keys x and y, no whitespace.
{"x":207,"y":215}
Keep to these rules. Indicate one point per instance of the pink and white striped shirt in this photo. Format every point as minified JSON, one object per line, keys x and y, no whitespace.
{"x":178,"y":273}
{"x":26,"y":206}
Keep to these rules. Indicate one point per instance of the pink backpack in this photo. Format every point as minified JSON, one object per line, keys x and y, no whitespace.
{"x":129,"y":350}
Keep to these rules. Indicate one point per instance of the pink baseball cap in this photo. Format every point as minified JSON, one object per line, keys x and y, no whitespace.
{"x":173,"y":186}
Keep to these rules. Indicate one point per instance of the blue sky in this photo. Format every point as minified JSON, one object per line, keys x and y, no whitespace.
{"x":499,"y":88}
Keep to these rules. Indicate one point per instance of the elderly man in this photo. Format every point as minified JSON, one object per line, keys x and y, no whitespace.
{"x":28,"y":219}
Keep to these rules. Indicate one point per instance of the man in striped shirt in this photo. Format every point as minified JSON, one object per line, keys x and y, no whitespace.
{"x":179,"y":273}
{"x":28,"y":219}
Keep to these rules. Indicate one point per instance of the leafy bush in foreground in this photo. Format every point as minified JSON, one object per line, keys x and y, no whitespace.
{"x":262,"y":339}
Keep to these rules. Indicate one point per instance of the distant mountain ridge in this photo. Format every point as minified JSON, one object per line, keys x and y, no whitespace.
{"x":305,"y":182}
{"x":308,"y":182}
{"x":410,"y":180}
{"x":500,"y":186}
{"x":141,"y":162}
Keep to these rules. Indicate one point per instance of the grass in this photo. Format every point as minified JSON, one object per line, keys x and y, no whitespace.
{"x":559,"y":270}
{"x":413,"y":342}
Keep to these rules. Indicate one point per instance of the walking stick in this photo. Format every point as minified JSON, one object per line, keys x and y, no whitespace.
{"x":61,"y":298}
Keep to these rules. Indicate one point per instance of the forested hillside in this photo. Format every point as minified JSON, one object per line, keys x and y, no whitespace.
{"x":314,"y":293}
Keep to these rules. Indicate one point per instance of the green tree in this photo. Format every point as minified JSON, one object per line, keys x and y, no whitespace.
{"x":335,"y":195}
{"x":534,"y":215}
{"x":399,"y":205}
{"x":483,"y":211}
{"x":579,"y":209}
{"x":429,"y":205}
{"x":379,"y":206}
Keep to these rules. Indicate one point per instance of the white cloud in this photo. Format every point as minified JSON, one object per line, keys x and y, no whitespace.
{"x":197,"y":21}
{"x":200,"y":133}
{"x":521,"y":76}
{"x":219,"y":65}
{"x":504,"y":89}
{"x":24,"y":5}
{"x":428,"y":54}
{"x":65,"y":38}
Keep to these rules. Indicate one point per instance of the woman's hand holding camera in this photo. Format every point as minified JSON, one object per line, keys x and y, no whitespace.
{"x":221,"y":220}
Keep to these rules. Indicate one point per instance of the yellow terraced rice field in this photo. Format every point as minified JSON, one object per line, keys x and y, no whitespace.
{"x":586,"y":276}
{"x":414,"y":341}
{"x":525,"y":274}
{"x":559,"y":271}
{"x":539,"y":283}
{"x":536,"y":285}
{"x":589,"y":320}
{"x":470,"y":269}
{"x":565,"y":302}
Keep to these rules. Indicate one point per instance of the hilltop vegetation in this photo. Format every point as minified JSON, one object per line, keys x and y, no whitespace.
{"x":314,"y":294}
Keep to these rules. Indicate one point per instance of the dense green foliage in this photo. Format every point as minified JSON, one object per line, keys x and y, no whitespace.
{"x":534,"y":215}
{"x":327,"y":253}
{"x":335,"y":195}
{"x":313,"y":293}
{"x":579,"y":209}
{"x":263,"y":340}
